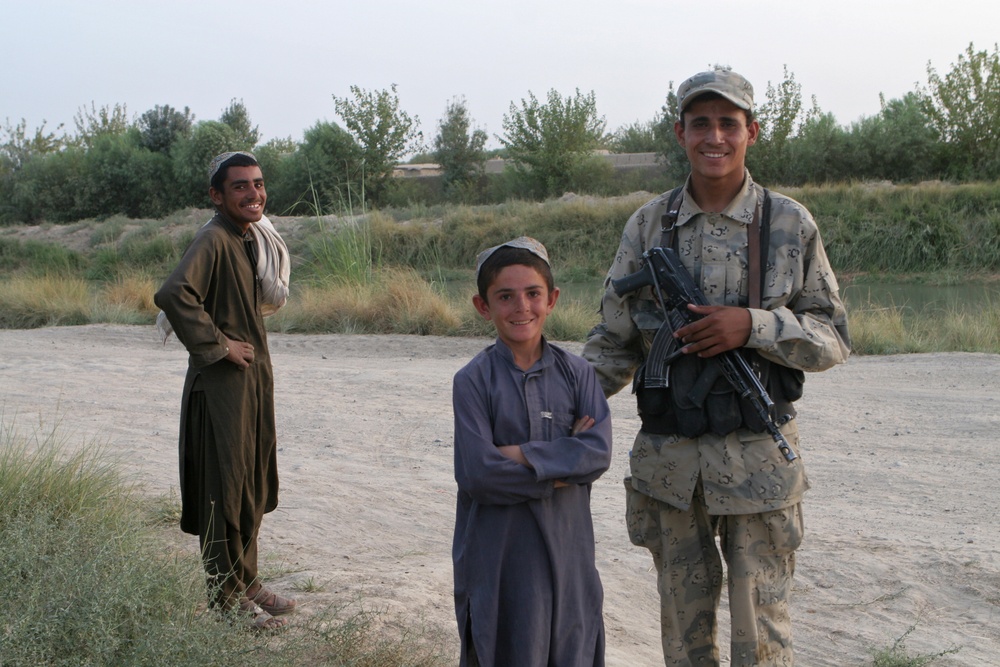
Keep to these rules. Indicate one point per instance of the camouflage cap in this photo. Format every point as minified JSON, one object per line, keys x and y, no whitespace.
{"x":533,"y":246}
{"x":216,"y":164}
{"x":721,"y":80}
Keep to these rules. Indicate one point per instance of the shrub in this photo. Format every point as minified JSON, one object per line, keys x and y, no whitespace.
{"x":48,"y":188}
{"x":122,"y":177}
{"x":192,"y":155}
{"x":38,"y":258}
{"x":324,"y":174}
{"x":32,"y":302}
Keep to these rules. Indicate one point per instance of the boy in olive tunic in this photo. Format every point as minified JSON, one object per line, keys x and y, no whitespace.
{"x":532,"y":431}
{"x":686,"y":490}
{"x":228,"y":464}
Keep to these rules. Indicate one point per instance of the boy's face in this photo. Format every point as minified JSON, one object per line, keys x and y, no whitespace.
{"x":518,"y":302}
{"x":243,"y":195}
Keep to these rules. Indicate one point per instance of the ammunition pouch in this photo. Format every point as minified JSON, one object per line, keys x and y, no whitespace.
{"x":699,"y":399}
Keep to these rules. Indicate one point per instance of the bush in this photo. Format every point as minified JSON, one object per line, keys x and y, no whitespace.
{"x":122,"y":177}
{"x":32,"y":302}
{"x":38,"y":258}
{"x":907,"y":229}
{"x":550,"y":144}
{"x":192,"y":155}
{"x":323,"y":175}
{"x":48,"y":188}
{"x":395,"y":301}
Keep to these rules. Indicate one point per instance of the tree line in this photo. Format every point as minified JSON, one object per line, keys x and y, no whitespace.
{"x":947,"y":129}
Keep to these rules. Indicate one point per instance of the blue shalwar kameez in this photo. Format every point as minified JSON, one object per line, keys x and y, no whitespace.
{"x":527,"y":591}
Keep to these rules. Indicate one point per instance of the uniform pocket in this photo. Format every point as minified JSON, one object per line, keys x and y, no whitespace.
{"x":772,"y":478}
{"x":641,"y":526}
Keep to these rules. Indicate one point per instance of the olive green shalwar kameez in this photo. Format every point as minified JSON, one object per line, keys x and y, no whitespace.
{"x":228,"y":464}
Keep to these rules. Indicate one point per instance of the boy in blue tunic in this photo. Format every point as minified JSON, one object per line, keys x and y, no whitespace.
{"x":532,"y":432}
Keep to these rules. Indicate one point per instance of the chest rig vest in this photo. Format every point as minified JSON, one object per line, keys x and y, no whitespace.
{"x":684,"y":394}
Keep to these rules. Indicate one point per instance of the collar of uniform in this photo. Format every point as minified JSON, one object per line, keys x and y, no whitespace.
{"x":741,"y":209}
{"x":508,"y":355}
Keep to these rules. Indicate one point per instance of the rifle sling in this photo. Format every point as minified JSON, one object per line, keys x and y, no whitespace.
{"x":758,"y":240}
{"x":664,"y":348}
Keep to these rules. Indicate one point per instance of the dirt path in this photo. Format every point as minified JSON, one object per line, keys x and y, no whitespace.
{"x":900,"y":522}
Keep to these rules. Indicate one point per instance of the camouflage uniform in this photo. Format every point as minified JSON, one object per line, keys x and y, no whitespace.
{"x":684,"y":491}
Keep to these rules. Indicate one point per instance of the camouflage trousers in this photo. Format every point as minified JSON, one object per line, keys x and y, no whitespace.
{"x":759,"y":552}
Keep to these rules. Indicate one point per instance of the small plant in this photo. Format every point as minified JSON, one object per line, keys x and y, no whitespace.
{"x":309,"y":585}
{"x":164,"y":510}
{"x":896,"y":655}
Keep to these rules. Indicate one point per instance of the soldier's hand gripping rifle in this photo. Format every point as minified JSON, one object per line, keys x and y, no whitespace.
{"x":675,"y":289}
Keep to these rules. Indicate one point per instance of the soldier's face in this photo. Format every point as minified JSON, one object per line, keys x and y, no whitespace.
{"x":243,"y":195}
{"x":715,"y":136}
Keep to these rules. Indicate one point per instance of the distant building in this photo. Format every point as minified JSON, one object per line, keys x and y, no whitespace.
{"x":416,"y":170}
{"x":496,"y":165}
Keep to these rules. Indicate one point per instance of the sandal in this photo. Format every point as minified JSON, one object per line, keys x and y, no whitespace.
{"x":272,"y":603}
{"x":257,"y":619}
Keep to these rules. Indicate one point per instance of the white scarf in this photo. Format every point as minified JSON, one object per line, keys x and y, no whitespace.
{"x":273,"y":271}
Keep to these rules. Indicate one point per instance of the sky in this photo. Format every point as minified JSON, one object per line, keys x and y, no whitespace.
{"x":287,"y":59}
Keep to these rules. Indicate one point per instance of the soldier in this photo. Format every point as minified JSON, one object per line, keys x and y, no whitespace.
{"x":698,"y":470}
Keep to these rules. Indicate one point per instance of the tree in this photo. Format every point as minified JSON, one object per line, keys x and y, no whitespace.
{"x":460,"y":152}
{"x":384,"y":131}
{"x":19,"y":148}
{"x":17,"y":145}
{"x":552,"y":144}
{"x":323,"y":174}
{"x":818,"y":154}
{"x":120,"y":176}
{"x":670,"y":149}
{"x":274,"y":157}
{"x":94,"y":123}
{"x":192,"y":155}
{"x":964,"y":107}
{"x":899,"y":144}
{"x":637,"y":137}
{"x":779,"y":118}
{"x":46,"y":187}
{"x":162,"y":126}
{"x":245,"y":133}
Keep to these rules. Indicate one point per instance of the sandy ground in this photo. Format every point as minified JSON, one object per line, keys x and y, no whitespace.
{"x":901,"y":526}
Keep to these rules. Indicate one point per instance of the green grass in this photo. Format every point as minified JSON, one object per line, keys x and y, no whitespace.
{"x":895,"y":330}
{"x":96,"y":582}
{"x":907,"y":228}
{"x":37,"y":258}
{"x":31,"y":302}
{"x":388,"y":271}
{"x":582,"y":233}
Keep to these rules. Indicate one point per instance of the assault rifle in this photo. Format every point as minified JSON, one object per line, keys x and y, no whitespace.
{"x":675,"y":289}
